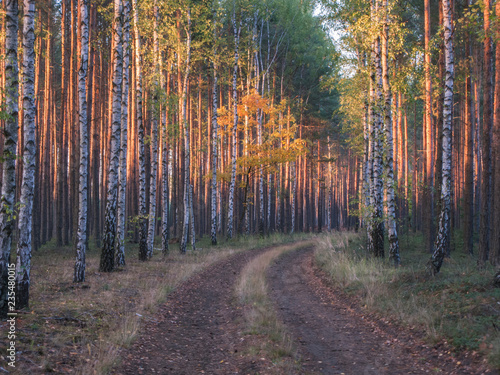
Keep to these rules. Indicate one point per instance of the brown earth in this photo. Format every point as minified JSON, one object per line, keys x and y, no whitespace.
{"x":199,"y":330}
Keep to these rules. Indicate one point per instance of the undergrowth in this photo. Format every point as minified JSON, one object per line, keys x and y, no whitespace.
{"x":459,"y":305}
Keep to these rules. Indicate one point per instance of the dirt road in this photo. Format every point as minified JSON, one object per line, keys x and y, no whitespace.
{"x":199,"y":329}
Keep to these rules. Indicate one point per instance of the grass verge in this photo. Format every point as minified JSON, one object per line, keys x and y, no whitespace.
{"x":460,"y":305}
{"x":260,"y":317}
{"x":80,"y":328}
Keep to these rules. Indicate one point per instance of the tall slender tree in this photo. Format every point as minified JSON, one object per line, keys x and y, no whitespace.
{"x":23,"y":261}
{"x":122,"y":171}
{"x":143,"y":220}
{"x":232,"y":188}
{"x":442,"y":239}
{"x":187,"y":154}
{"x":82,"y":232}
{"x":107,"y":263}
{"x":7,"y":200}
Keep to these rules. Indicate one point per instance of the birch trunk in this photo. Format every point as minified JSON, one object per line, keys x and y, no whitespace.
{"x":82,"y":233}
{"x":232,"y":187}
{"x":154,"y":143}
{"x":389,"y":160}
{"x":9,"y":149}
{"x":187,"y":209}
{"x":107,"y":263}
{"x":165,"y":233}
{"x":444,"y":217}
{"x":23,"y":262}
{"x":376,"y":233}
{"x":213,"y":230}
{"x":122,"y":173}
{"x":143,"y":220}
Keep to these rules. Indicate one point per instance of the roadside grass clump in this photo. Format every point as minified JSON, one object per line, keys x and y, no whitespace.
{"x":460,"y":305}
{"x":81,"y":328}
{"x":259,"y":313}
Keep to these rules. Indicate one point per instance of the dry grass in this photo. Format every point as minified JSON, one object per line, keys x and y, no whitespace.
{"x":80,"y":328}
{"x":459,"y":305}
{"x":260,"y":316}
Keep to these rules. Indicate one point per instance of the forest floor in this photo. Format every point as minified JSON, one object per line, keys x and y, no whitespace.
{"x":203,"y":322}
{"x":201,"y":329}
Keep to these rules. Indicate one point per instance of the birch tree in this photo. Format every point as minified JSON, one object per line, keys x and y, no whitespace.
{"x":82,"y":233}
{"x":389,"y":162}
{"x":154,"y":139}
{"x":232,"y":187}
{"x":122,"y":172}
{"x":23,"y":261}
{"x":213,"y":231}
{"x":187,"y":208}
{"x":107,"y":263}
{"x":8,"y":194}
{"x":444,"y":217}
{"x":143,"y":220}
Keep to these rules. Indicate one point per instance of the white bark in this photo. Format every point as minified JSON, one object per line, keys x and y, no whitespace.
{"x":187,"y":209}
{"x":213,"y":231}
{"x":165,"y":233}
{"x":23,"y":263}
{"x":444,"y":217}
{"x":232,"y":187}
{"x":8,"y":194}
{"x":122,"y":173}
{"x":154,"y":143}
{"x":108,"y":251}
{"x":82,"y":234}
{"x":143,"y":222}
{"x":389,"y":160}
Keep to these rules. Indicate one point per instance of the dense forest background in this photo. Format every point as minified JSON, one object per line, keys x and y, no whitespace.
{"x":125,"y":121}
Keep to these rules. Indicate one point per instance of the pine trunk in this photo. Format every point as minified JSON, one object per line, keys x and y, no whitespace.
{"x":213,"y":231}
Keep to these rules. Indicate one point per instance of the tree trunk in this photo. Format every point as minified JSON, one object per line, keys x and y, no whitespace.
{"x":389,"y":167}
{"x":154,"y":141}
{"x":82,"y":231}
{"x":213,"y":231}
{"x":444,"y":217}
{"x":107,"y":263}
{"x":187,"y":209}
{"x":10,"y":136}
{"x":122,"y":172}
{"x":143,"y":220}
{"x":23,"y":263}
{"x":495,"y":243}
{"x":232,"y":188}
{"x":486,"y":198}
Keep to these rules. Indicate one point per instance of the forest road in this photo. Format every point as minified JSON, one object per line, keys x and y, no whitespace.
{"x":334,"y":337}
{"x":198,"y":329}
{"x":201,"y":329}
